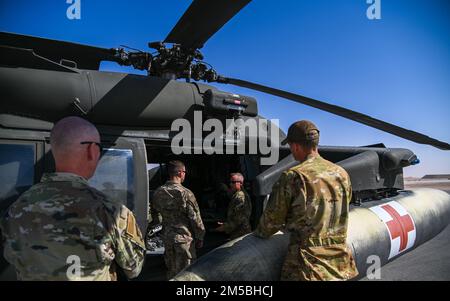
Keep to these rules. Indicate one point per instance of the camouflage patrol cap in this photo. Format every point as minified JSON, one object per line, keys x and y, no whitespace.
{"x":302,"y":131}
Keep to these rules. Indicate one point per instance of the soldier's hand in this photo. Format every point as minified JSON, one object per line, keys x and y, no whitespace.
{"x":198,"y":244}
{"x":220,"y":228}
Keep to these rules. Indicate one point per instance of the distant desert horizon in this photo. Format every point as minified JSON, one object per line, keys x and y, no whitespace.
{"x":443,"y":176}
{"x":441,"y":182}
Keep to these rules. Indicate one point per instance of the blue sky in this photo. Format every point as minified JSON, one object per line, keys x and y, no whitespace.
{"x":396,"y":69}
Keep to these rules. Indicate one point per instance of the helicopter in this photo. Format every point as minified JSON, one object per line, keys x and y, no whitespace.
{"x":134,"y":114}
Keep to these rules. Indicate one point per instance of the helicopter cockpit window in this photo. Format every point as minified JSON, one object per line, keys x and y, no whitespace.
{"x":114,"y":176}
{"x":16,"y":171}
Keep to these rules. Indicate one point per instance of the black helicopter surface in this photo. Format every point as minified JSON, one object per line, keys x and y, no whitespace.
{"x":43,"y":80}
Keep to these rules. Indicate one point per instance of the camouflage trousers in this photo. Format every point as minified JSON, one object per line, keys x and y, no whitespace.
{"x":313,"y":263}
{"x":177,"y":256}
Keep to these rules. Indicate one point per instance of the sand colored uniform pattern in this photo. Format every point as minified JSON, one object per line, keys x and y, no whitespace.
{"x":61,"y":219}
{"x":311,"y":201}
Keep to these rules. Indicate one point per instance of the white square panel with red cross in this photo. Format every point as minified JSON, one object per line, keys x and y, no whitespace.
{"x":400,"y":225}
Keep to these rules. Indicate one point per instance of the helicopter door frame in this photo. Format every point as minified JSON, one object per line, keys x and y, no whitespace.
{"x":139,"y":204}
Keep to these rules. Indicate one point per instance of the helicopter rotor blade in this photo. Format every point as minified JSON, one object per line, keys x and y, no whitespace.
{"x":87,"y":57}
{"x":340,"y":111}
{"x":202,"y":20}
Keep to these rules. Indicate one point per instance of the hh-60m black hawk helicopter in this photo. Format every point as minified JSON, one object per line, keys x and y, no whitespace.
{"x":43,"y":80}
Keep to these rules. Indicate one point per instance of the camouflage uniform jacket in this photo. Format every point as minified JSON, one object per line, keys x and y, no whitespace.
{"x":63,"y":229}
{"x":238,"y":215}
{"x":180,"y":214}
{"x":311,"y":201}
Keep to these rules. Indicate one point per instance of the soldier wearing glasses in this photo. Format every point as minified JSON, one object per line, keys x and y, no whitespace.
{"x":239,"y":209}
{"x":183,"y":229}
{"x":63,"y":229}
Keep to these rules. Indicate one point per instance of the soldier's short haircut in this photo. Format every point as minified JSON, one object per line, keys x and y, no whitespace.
{"x":238,"y":174}
{"x":173,"y":167}
{"x":69,"y":132}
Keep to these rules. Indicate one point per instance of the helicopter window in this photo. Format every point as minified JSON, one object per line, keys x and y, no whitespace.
{"x":16,"y":170}
{"x":114,"y":176}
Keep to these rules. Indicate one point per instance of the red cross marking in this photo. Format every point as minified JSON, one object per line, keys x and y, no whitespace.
{"x":399,"y":226}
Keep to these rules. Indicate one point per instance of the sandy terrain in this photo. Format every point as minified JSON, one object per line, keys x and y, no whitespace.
{"x":436,"y":184}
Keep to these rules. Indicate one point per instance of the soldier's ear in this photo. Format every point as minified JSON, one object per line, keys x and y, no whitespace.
{"x":293,"y":146}
{"x":91,"y":151}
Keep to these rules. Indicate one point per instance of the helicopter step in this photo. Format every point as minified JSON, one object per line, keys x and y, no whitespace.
{"x":376,"y":235}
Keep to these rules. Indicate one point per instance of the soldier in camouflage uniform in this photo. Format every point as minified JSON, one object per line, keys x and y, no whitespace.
{"x":239,"y":209}
{"x":183,"y":229}
{"x":311,"y":201}
{"x":63,"y":229}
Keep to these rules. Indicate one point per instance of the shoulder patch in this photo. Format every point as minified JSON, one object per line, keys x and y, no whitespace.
{"x":131,"y":225}
{"x":132,"y":231}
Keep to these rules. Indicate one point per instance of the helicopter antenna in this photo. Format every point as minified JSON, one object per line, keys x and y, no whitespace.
{"x":131,"y":48}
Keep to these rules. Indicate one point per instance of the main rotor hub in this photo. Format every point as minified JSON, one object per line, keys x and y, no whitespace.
{"x":180,"y":62}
